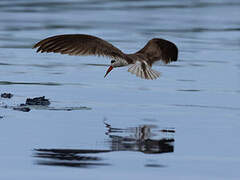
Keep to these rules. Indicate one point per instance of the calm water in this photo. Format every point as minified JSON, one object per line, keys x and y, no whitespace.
{"x":184,"y":125}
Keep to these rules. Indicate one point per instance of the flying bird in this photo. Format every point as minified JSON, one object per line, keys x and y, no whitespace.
{"x":140,"y":62}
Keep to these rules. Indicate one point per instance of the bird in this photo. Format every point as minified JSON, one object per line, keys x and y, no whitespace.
{"x":140,"y":62}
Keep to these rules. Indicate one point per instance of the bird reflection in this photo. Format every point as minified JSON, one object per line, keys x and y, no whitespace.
{"x":144,"y":138}
{"x":69,"y":157}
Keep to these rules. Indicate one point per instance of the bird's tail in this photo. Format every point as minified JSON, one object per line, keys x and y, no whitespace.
{"x":146,"y":73}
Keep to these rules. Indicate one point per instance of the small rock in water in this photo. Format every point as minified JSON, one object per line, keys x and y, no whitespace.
{"x":38,"y":101}
{"x":1,"y":117}
{"x":6,"y":95}
{"x":23,"y":109}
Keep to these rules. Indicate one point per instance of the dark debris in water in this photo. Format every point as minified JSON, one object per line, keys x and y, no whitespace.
{"x":38,"y":101}
{"x":27,"y":108}
{"x":6,"y":95}
{"x":17,"y":108}
{"x":1,"y":117}
{"x":41,"y":103}
{"x":23,"y":109}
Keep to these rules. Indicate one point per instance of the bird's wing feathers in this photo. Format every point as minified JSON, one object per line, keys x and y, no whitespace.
{"x":159,"y":49}
{"x":79,"y":44}
{"x":143,"y":70}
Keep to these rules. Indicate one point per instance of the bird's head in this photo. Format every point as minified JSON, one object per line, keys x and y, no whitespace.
{"x":116,"y":63}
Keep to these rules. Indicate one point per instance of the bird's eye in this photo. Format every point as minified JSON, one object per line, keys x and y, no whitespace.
{"x":112,"y":61}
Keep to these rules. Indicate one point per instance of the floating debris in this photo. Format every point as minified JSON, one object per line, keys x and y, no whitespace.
{"x":41,"y":103}
{"x":1,"y":117}
{"x":6,"y":95}
{"x":37,"y":101}
{"x":23,"y":109}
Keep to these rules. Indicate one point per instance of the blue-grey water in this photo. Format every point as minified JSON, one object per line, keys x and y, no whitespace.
{"x":184,"y":125}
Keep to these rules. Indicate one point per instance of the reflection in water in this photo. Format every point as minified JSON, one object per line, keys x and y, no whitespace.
{"x":69,"y":157}
{"x":144,"y":138}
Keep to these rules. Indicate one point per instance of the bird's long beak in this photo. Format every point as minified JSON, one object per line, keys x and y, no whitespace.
{"x":108,"y":71}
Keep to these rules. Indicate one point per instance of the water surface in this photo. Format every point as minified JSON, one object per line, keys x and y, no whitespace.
{"x":185,"y":125}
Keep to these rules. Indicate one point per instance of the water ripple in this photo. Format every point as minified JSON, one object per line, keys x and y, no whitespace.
{"x":208,"y":107}
{"x":30,"y":83}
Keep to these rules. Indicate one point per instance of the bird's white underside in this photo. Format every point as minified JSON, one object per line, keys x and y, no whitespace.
{"x":138,"y":71}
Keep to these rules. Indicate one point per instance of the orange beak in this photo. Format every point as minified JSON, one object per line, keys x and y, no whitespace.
{"x":108,"y":71}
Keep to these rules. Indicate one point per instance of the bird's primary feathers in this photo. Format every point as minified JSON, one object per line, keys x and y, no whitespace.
{"x":141,"y":61}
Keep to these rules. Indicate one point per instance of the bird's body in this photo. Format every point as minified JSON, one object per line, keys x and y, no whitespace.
{"x":141,"y":61}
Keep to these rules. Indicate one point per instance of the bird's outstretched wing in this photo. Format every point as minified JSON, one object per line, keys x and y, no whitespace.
{"x":159,"y":49}
{"x":79,"y":44}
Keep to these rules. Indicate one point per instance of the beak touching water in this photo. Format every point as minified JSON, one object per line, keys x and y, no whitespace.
{"x":108,"y":71}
